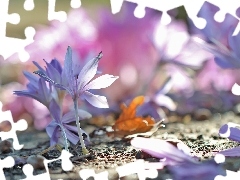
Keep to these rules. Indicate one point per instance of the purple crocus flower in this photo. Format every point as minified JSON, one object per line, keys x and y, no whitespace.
{"x":37,"y":89}
{"x":226,"y":56}
{"x":214,"y":29}
{"x":168,"y":153}
{"x":178,"y":159}
{"x":76,"y":81}
{"x":218,"y":37}
{"x":61,"y":124}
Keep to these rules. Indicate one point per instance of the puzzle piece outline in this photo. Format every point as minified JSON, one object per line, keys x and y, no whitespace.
{"x":7,"y":50}
{"x":66,"y":164}
{"x":192,"y":8}
{"x":20,"y":125}
{"x":139,"y":10}
{"x":7,"y":162}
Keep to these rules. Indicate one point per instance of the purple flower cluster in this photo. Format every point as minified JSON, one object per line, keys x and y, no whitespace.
{"x":55,"y":82}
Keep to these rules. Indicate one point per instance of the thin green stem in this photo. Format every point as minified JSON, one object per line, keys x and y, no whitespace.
{"x":84,"y":149}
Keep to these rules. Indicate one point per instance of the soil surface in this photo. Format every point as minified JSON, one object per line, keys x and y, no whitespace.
{"x":106,"y":153}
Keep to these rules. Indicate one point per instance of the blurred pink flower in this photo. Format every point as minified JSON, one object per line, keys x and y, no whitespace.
{"x":213,"y":76}
{"x":178,"y":53}
{"x":175,"y":45}
{"x":78,"y":31}
{"x":128,"y":51}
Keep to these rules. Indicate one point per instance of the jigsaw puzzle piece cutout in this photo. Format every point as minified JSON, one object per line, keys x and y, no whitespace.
{"x":163,"y":6}
{"x":7,"y":162}
{"x":20,"y":125}
{"x":75,"y":4}
{"x":215,"y":29}
{"x":67,"y":165}
{"x":55,"y":15}
{"x":27,"y":9}
{"x":237,"y":30}
{"x":140,"y":10}
{"x":62,"y":8}
{"x":16,"y":52}
{"x":88,"y":173}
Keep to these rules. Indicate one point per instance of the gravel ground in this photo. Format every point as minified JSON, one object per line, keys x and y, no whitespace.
{"x":107,"y":154}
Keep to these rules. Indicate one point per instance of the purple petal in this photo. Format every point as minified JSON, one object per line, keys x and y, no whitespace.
{"x":38,"y":66}
{"x":101,"y":82}
{"x":165,"y":101}
{"x":53,"y":73}
{"x":53,"y":132}
{"x":231,"y":131}
{"x":88,"y":71}
{"x":223,"y":57}
{"x":223,"y":62}
{"x":188,"y":170}
{"x":234,"y":42}
{"x":96,"y":100}
{"x":32,"y":78}
{"x":73,"y":138}
{"x":234,"y":152}
{"x":55,"y":63}
{"x":70,"y":116}
{"x":68,"y":65}
{"x":45,"y":92}
{"x":55,"y":110}
{"x":160,"y":149}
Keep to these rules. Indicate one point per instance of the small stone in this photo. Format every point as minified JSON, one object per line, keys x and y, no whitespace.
{"x":36,"y":161}
{"x":202,"y":114}
{"x":6,"y":147}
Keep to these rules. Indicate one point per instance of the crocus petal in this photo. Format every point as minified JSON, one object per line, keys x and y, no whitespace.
{"x":96,"y":100}
{"x":27,"y":94}
{"x":73,"y":138}
{"x":148,"y":108}
{"x":55,"y":63}
{"x":53,"y":73}
{"x":160,"y":149}
{"x":33,"y":79}
{"x":55,"y":110}
{"x":53,"y":132}
{"x":101,"y":82}
{"x":45,"y":93}
{"x":71,"y":129}
{"x":223,"y":56}
{"x":165,"y":101}
{"x":88,"y":71}
{"x":39,"y":67}
{"x":234,"y":152}
{"x":236,"y":89}
{"x":70,"y":116}
{"x":68,"y":71}
{"x":234,"y":41}
{"x":207,"y":170}
{"x":231,"y":131}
